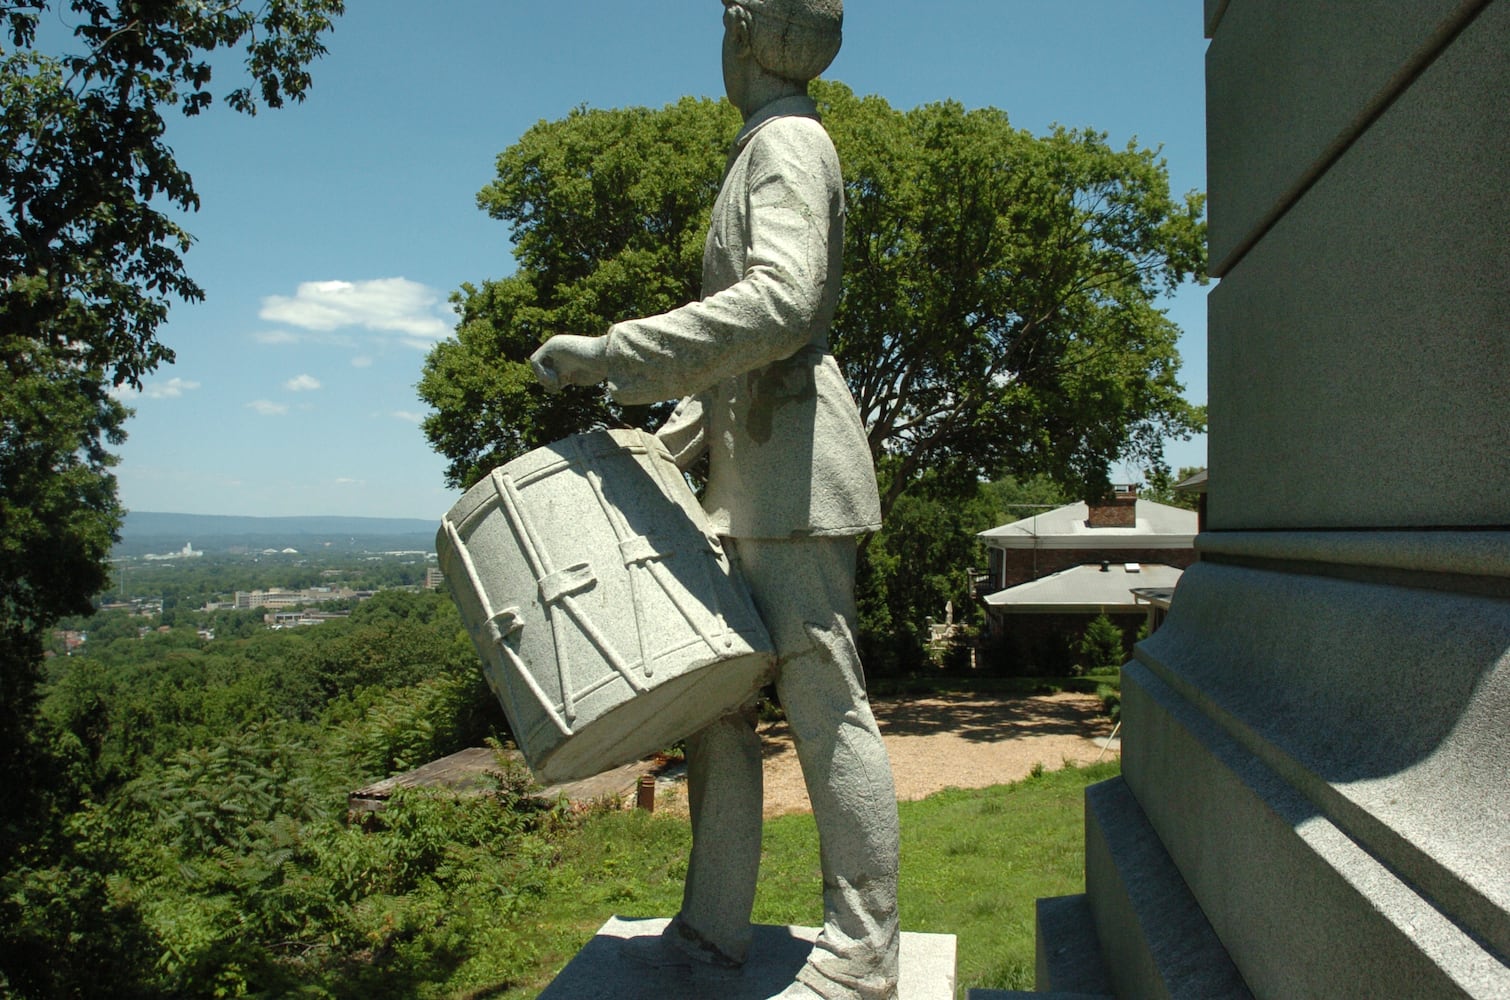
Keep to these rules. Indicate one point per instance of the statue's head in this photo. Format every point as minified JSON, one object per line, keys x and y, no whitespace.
{"x":792,"y":39}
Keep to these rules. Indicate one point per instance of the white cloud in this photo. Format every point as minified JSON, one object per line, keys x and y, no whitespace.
{"x":347,"y":481}
{"x":173,"y":388}
{"x":408,"y":415}
{"x":302,"y":383}
{"x":276,"y":337}
{"x":361,"y":361}
{"x":267,"y":408}
{"x":285,"y":338}
{"x":418,"y":313}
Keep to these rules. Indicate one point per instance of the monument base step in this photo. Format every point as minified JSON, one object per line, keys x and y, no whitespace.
{"x":1025,"y":995}
{"x":600,"y":972}
{"x":1069,"y":952}
{"x":1153,"y":936}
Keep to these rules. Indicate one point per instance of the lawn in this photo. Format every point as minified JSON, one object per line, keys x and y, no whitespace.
{"x":973,"y":863}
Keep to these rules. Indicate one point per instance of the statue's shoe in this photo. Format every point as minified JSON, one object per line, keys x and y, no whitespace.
{"x":802,"y":991}
{"x":660,"y":952}
{"x":655,"y":952}
{"x":797,"y":991}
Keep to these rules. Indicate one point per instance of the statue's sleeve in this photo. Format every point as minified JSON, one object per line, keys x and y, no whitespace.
{"x":685,"y":435}
{"x":767,"y":315}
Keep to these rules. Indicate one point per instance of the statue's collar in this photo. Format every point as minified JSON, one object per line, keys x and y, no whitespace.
{"x":783,"y":107}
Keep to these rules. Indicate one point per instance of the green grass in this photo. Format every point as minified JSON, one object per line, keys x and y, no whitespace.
{"x":973,"y":863}
{"x":932,"y":684}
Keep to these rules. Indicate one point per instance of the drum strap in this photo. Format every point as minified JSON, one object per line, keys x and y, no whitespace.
{"x":504,"y":624}
{"x":565,"y":582}
{"x":639,"y":550}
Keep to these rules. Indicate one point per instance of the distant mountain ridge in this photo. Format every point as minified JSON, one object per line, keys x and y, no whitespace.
{"x":151,"y":531}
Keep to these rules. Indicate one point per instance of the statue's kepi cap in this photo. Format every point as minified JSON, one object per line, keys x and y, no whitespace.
{"x":825,"y":15}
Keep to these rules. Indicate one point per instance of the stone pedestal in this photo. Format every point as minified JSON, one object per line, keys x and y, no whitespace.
{"x":600,"y":972}
{"x":1315,"y":799}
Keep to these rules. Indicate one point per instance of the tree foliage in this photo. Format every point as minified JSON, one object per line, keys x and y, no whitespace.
{"x":608,"y":211}
{"x":1102,"y":645}
{"x":999,"y":317}
{"x":206,"y":849}
{"x":58,"y":514}
{"x":915,"y":566}
{"x":90,"y":261}
{"x":999,"y":310}
{"x":88,"y":257}
{"x":1000,"y":294}
{"x":1160,"y":487}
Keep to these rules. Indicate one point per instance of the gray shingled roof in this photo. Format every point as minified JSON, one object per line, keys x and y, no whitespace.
{"x":1159,"y":526}
{"x":1085,"y":589}
{"x":1195,"y":484}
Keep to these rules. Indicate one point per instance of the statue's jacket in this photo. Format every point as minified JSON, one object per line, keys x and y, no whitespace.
{"x":760,"y":391}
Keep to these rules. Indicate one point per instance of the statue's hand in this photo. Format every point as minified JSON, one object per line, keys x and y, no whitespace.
{"x":567,"y":359}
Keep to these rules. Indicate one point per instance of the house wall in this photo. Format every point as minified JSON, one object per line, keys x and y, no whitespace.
{"x":1044,"y":645}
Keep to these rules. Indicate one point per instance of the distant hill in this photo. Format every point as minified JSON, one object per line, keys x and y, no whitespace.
{"x":148,"y":531}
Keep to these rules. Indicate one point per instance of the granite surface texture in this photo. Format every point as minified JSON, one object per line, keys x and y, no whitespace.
{"x":1287,"y":93}
{"x":600,"y":972}
{"x":1358,"y":353}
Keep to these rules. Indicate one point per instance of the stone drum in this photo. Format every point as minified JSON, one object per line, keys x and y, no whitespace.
{"x":605,"y":611}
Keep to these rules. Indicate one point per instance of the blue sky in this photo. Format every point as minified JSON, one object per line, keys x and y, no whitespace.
{"x":332,"y":232}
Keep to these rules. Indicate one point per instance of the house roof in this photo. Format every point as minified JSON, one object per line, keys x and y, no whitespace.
{"x":1086,"y":589}
{"x":1159,"y":526}
{"x":1195,"y":484}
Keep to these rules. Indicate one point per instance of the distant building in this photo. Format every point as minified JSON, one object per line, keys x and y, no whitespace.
{"x":70,"y":639}
{"x":1050,"y":574}
{"x":434,"y":578}
{"x":187,"y":552}
{"x":300,"y":619}
{"x":1121,"y":530}
{"x":248,"y":599}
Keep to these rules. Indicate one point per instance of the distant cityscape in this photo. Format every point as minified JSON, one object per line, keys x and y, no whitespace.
{"x":187,"y":552}
{"x":245,"y":600}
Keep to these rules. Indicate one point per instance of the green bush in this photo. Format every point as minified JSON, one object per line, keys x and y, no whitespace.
{"x":1101,"y":645}
{"x":1111,"y":701}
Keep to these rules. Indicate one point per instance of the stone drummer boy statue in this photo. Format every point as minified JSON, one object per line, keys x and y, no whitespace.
{"x":791,"y":487}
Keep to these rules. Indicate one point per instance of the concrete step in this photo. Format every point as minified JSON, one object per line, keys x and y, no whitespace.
{"x":1069,"y":953}
{"x":1023,"y":995}
{"x":1155,"y":940}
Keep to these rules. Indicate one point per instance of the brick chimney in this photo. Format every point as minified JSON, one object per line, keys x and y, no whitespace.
{"x":1120,"y":510}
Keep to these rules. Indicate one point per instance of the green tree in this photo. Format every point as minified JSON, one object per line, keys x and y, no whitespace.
{"x":58,"y":513}
{"x":915,"y":567}
{"x":90,"y":260}
{"x":608,"y":211}
{"x":1159,"y":486}
{"x":1000,"y":309}
{"x":999,"y":312}
{"x":1012,"y":498}
{"x":1102,"y":644}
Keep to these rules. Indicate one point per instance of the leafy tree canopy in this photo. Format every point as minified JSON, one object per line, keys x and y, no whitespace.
{"x":1160,"y":487}
{"x":89,"y":263}
{"x":608,"y":211}
{"x":1000,"y":299}
{"x":88,"y":257}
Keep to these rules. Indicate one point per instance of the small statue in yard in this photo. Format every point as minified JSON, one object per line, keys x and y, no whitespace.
{"x":791,"y":488}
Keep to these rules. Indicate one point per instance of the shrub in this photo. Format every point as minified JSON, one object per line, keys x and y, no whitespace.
{"x":1101,"y":645}
{"x":1111,"y":701}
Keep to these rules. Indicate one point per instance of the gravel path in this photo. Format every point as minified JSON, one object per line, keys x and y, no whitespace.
{"x":943,"y":741}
